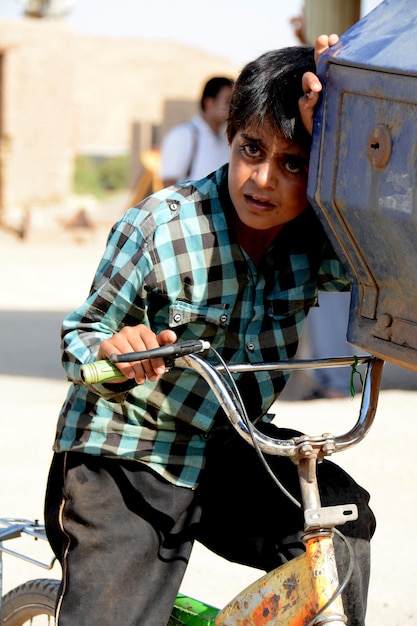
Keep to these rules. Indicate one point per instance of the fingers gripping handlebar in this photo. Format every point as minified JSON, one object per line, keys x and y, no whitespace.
{"x":107,"y":370}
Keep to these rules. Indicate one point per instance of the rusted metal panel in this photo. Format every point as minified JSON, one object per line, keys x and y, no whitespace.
{"x":363,"y":175}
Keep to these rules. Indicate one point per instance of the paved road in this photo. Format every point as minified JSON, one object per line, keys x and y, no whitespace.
{"x":45,"y":277}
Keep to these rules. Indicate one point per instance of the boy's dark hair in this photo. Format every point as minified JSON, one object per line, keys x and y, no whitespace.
{"x":213,"y":86}
{"x":268,"y":89}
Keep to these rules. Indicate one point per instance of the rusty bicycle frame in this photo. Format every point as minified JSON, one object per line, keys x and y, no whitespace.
{"x":306,"y":590}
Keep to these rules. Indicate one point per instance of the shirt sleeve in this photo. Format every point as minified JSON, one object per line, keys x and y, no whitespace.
{"x":116,"y":299}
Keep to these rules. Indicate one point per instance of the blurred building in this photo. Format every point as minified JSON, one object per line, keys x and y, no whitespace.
{"x":62,"y":94}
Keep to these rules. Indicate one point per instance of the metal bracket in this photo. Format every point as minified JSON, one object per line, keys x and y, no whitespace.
{"x":329,"y":516}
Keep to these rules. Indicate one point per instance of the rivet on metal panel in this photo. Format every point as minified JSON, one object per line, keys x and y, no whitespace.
{"x":378,"y":146}
{"x":383,"y":327}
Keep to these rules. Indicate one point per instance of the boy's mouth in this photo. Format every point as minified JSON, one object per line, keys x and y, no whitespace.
{"x":259,"y":202}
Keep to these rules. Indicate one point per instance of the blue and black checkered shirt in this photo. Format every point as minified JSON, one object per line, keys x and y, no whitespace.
{"x":173,"y":261}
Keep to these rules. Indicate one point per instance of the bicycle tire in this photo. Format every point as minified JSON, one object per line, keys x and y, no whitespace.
{"x":29,"y":600}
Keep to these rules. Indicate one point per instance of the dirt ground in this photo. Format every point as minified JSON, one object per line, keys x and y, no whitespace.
{"x":43,"y":278}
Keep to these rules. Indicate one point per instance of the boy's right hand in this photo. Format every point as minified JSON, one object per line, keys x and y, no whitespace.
{"x":136,"y":339}
{"x":311,"y":84}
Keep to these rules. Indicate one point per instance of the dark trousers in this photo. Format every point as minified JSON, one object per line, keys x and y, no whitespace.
{"x":124,"y":535}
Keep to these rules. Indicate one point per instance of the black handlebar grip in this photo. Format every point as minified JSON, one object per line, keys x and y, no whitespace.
{"x":171,"y":351}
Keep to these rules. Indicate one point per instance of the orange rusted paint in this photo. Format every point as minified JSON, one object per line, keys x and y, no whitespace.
{"x":268,"y":610}
{"x":320,"y":554}
{"x":290,"y":595}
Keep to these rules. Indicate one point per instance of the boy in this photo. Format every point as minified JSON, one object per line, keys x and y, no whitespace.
{"x":143,"y":467}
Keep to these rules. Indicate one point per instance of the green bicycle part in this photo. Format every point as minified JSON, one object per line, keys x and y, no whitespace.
{"x":191,"y":612}
{"x":100,"y":372}
{"x":352,"y":374}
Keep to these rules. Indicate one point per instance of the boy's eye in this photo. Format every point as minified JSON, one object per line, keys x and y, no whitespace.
{"x":293,"y":166}
{"x":251,"y":150}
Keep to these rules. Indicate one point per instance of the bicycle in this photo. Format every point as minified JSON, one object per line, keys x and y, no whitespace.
{"x":32,"y":602}
{"x":309,"y":583}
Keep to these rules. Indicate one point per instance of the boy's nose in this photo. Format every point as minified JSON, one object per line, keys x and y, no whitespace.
{"x":265,"y":175}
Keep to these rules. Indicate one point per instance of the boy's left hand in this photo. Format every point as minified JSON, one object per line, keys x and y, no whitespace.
{"x":311,"y":84}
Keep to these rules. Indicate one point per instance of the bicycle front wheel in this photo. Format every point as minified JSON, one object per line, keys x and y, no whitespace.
{"x":32,"y":603}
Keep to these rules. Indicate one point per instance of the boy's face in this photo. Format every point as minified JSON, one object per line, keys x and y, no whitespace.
{"x":217,"y":109}
{"x":267,"y":177}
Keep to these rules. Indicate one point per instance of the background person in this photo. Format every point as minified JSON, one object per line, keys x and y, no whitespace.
{"x":199,"y":146}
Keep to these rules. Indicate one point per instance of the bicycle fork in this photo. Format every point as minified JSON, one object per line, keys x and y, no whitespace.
{"x":304,"y":591}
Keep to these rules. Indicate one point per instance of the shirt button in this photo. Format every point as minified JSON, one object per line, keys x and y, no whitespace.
{"x":177,"y":317}
{"x":250,"y":346}
{"x":223,"y":319}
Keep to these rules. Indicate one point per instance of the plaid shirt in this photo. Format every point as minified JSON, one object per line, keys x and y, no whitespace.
{"x":173,"y":261}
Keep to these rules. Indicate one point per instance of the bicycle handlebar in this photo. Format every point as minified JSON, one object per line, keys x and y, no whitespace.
{"x":184,"y":353}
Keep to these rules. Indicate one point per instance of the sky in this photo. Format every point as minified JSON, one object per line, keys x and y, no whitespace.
{"x":238,"y":30}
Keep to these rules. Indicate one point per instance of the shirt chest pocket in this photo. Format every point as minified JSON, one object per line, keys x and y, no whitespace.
{"x":198,"y":318}
{"x":291,"y":302}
